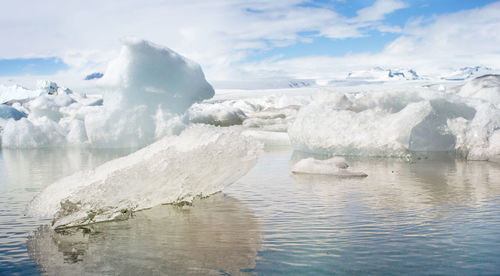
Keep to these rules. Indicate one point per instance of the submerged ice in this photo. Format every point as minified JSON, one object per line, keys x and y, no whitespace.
{"x":199,"y":162}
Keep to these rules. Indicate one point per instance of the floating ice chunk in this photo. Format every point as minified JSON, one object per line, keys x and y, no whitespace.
{"x":199,"y":162}
{"x":334,"y":166}
{"x":152,"y":75}
{"x":383,"y":130}
{"x":49,"y":106}
{"x":36,"y":133}
{"x":394,"y":124}
{"x":143,"y":79}
{"x":218,"y":114}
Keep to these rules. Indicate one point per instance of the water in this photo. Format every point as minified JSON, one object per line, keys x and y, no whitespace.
{"x":431,"y":216}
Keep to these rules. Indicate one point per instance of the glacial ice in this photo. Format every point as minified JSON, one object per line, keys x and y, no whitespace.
{"x":396,"y":123}
{"x":200,"y":161}
{"x":143,"y":86}
{"x":336,"y":166}
{"x":147,"y":89}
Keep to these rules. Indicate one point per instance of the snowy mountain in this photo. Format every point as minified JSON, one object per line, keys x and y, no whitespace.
{"x":381,"y":74}
{"x":466,"y":73}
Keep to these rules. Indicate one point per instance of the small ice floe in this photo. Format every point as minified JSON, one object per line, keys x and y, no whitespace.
{"x":336,"y":166}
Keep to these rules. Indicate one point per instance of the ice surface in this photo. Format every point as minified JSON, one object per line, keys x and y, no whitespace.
{"x":334,"y":166}
{"x":200,"y":161}
{"x":218,"y":114}
{"x":396,"y":123}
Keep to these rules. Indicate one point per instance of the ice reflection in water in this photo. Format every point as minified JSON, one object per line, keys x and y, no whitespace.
{"x":436,"y":215}
{"x":23,"y":173}
{"x":214,"y":236}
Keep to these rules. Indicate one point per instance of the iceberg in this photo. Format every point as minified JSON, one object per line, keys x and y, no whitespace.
{"x":199,"y":162}
{"x":146,"y":91}
{"x":336,"y":166}
{"x":143,"y":81}
{"x":397,"y":123}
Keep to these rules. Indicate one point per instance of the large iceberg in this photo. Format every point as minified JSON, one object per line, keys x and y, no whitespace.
{"x":397,"y":123}
{"x":199,"y":162}
{"x":146,"y":91}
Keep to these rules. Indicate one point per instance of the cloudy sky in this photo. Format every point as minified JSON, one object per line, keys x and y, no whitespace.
{"x":241,"y":39}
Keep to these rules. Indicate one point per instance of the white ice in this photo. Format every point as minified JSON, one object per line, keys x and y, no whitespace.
{"x":147,"y":89}
{"x":200,"y":161}
{"x":395,"y":122}
{"x":336,"y":166}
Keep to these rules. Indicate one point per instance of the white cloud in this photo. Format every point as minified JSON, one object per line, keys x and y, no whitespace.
{"x":218,"y":34}
{"x":429,"y":45}
{"x":380,"y":9}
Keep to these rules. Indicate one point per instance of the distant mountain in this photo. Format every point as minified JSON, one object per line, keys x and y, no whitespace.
{"x":96,"y":75}
{"x":381,"y":74}
{"x":466,"y":73}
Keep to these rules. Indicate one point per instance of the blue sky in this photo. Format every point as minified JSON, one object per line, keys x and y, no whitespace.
{"x":251,"y":36}
{"x":372,"y":41}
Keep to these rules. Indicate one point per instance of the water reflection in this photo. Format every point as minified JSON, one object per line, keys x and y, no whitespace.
{"x":216,"y":235}
{"x":428,"y":216}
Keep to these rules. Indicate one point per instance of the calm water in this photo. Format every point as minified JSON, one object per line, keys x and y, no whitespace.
{"x":437,"y":216}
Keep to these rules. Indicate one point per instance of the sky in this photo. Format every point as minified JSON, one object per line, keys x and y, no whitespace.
{"x":252,"y":39}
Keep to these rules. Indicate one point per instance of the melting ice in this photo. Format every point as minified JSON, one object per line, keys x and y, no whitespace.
{"x":199,"y":162}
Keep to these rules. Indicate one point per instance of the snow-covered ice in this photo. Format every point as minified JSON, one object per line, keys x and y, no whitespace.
{"x":200,"y":161}
{"x":336,"y":166}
